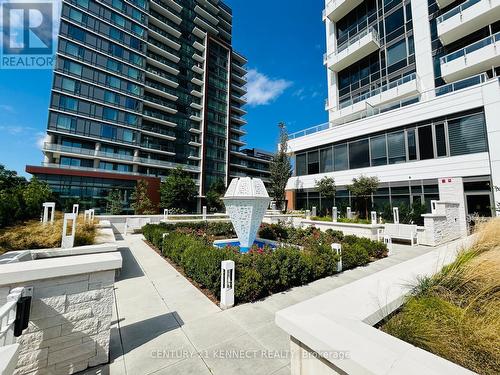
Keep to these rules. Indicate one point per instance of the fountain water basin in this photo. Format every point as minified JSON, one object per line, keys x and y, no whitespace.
{"x":246,"y":202}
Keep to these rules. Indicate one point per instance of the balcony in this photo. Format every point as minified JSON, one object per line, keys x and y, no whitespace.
{"x":471,"y":60}
{"x":444,"y":3}
{"x":467,"y":18}
{"x":166,"y":11}
{"x":404,"y":87}
{"x":337,"y":9}
{"x":354,"y":49}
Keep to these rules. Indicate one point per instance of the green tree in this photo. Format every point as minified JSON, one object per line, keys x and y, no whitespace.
{"x":280,"y":168}
{"x":140,"y":200}
{"x":9,"y":179}
{"x":363,"y":187}
{"x":114,"y":205}
{"x":178,"y":191}
{"x":214,"y":195}
{"x":35,"y":193}
{"x":326,"y":188}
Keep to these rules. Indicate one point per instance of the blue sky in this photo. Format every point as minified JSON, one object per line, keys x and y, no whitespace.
{"x":284,"y":42}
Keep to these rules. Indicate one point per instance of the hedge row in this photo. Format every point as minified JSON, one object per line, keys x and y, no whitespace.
{"x":259,"y":273}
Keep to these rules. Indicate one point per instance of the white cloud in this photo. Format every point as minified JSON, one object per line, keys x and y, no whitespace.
{"x":6,"y":108}
{"x":41,"y":138}
{"x":263,"y":90}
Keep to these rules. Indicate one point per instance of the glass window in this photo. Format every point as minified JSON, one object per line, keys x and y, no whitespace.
{"x":393,"y":22}
{"x":313,"y":162}
{"x":412,"y":144}
{"x":396,"y":52}
{"x":65,"y":122}
{"x":467,"y":135}
{"x":113,"y":82}
{"x":396,"y":147}
{"x":425,"y":142}
{"x":68,"y":84}
{"x":128,"y":136}
{"x":300,"y":165}
{"x":110,"y":114}
{"x":326,"y":160}
{"x":340,"y":157}
{"x":378,"y":150}
{"x":69,"y":103}
{"x":359,"y":154}
{"x":440,"y":140}
{"x":108,"y":131}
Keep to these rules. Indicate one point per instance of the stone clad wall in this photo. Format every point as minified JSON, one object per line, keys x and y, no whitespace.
{"x":69,"y":324}
{"x":443,"y":225}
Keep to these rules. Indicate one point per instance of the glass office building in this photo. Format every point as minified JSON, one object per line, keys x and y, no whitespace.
{"x":141,"y":87}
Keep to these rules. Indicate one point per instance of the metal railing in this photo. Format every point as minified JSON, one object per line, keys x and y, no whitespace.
{"x":371,"y":111}
{"x":457,"y":10}
{"x":463,"y":84}
{"x":492,"y":39}
{"x":8,"y":317}
{"x":351,"y":41}
{"x":379,"y":90}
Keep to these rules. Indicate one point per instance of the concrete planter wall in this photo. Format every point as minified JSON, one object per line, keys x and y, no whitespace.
{"x":71,"y":311}
{"x":333,"y":333}
{"x":360,"y":230}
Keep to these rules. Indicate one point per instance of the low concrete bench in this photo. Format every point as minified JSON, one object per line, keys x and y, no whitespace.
{"x":400,"y":232}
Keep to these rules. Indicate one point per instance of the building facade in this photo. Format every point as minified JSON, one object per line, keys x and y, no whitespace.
{"x":413,"y":97}
{"x":141,"y":87}
{"x":251,"y":162}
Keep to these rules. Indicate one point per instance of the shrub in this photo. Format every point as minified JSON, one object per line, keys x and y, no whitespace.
{"x":354,"y":255}
{"x":249,"y":285}
{"x":261,"y":271}
{"x":266,"y":232}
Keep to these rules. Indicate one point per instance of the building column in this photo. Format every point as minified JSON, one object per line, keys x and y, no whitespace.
{"x":491,"y":98}
{"x":423,"y":48}
{"x":96,"y":150}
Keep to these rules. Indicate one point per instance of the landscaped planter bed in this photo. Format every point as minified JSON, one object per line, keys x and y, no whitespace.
{"x":35,"y":235}
{"x":304,"y":255}
{"x":455,"y":314}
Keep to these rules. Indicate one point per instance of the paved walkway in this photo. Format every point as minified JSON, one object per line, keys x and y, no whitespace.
{"x":164,"y":325}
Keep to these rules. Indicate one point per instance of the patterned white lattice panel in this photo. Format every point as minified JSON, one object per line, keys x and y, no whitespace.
{"x":246,"y":216}
{"x":246,"y":201}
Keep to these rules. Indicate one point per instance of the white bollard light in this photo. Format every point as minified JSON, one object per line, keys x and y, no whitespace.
{"x":48,"y":206}
{"x":374,"y":217}
{"x":338,"y":250}
{"x":335,"y":214}
{"x":349,"y":213}
{"x":308,"y":215}
{"x":314,"y":212}
{"x":165,"y":214}
{"x":68,"y":240}
{"x":164,"y":235}
{"x":388,"y":243}
{"x":76,"y":208}
{"x":395,"y":213}
{"x":204,"y":212}
{"x":227,"y":284}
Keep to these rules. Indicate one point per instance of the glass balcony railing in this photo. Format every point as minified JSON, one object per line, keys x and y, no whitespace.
{"x":492,"y":39}
{"x":457,"y":10}
{"x":379,"y":90}
{"x":463,"y":84}
{"x":446,"y":89}
{"x":353,"y":40}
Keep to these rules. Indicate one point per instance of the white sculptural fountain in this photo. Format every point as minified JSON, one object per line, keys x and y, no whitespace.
{"x":246,"y":202}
